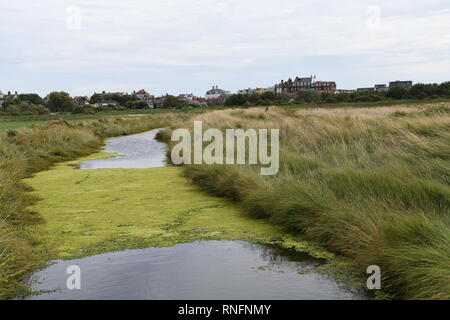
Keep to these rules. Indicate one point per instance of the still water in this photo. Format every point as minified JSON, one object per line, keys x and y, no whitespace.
{"x":136,"y":151}
{"x":199,"y":270}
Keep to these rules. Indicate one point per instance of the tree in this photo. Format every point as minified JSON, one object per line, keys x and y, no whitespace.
{"x":236,"y":100}
{"x":342,"y":97}
{"x":444,"y":89}
{"x":60,"y":102}
{"x":11,"y":102}
{"x":174,"y":102}
{"x":422,"y":91}
{"x":309,"y":96}
{"x":396,"y":93}
{"x":25,"y":108}
{"x":328,"y":97}
{"x":136,"y":104}
{"x":32,"y":98}
{"x":270,"y":96}
{"x":96,"y":97}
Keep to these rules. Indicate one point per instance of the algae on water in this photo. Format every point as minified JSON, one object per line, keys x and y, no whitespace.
{"x":89,"y":212}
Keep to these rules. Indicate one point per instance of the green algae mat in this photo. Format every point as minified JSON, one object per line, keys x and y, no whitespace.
{"x":87,"y":212}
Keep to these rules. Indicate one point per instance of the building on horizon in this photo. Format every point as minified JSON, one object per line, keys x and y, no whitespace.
{"x":384,"y":88}
{"x":7,"y":96}
{"x":403,"y":84}
{"x":369,"y":89}
{"x":107,"y":103}
{"x":309,"y":83}
{"x":192,"y":99}
{"x":245,"y":91}
{"x":348,"y":91}
{"x":216,"y":95}
{"x":146,"y":97}
{"x":260,"y":90}
{"x":381,"y":87}
{"x":81,"y":101}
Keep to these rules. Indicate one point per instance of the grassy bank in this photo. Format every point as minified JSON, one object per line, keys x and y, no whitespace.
{"x":86,"y":212}
{"x":20,"y":121}
{"x":8,"y":122}
{"x":30,"y":150}
{"x":371,"y":184}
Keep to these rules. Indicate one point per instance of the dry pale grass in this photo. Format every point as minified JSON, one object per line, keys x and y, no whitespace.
{"x":370,"y":183}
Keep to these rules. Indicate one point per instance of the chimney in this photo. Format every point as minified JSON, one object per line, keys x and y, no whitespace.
{"x":9,"y":93}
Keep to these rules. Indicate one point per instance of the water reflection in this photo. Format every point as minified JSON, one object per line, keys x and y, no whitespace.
{"x":137,"y":151}
{"x":199,"y":270}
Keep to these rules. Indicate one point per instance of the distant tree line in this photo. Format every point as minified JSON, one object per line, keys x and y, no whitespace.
{"x":25,"y":104}
{"x":62,"y":102}
{"x":174,"y":102}
{"x":120,"y":99}
{"x":417,"y":92}
{"x":29,"y":104}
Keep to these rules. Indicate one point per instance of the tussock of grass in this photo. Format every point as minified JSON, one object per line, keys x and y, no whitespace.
{"x":370,"y":183}
{"x":29,"y":150}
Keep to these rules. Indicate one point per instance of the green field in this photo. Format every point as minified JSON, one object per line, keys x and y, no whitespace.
{"x":16,"y":122}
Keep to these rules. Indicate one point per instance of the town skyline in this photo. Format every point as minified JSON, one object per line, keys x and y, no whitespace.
{"x":245,"y":90}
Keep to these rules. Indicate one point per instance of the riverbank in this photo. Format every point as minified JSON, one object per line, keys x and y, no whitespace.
{"x":371,"y":184}
{"x":106,"y":208}
{"x":26,"y":151}
{"x":66,"y":213}
{"x":9,"y":122}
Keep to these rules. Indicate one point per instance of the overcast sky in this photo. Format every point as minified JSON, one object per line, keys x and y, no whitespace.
{"x":186,"y":46}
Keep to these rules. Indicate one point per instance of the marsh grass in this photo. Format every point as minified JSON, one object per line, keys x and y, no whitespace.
{"x":369,"y":183}
{"x":26,"y":151}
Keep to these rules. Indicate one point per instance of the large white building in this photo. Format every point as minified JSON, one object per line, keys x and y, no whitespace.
{"x":216,"y":93}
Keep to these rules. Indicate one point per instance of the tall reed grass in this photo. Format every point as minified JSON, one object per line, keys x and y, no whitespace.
{"x":371,"y":184}
{"x":29,"y":150}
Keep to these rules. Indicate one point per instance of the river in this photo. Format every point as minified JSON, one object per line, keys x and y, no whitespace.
{"x":191,"y":271}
